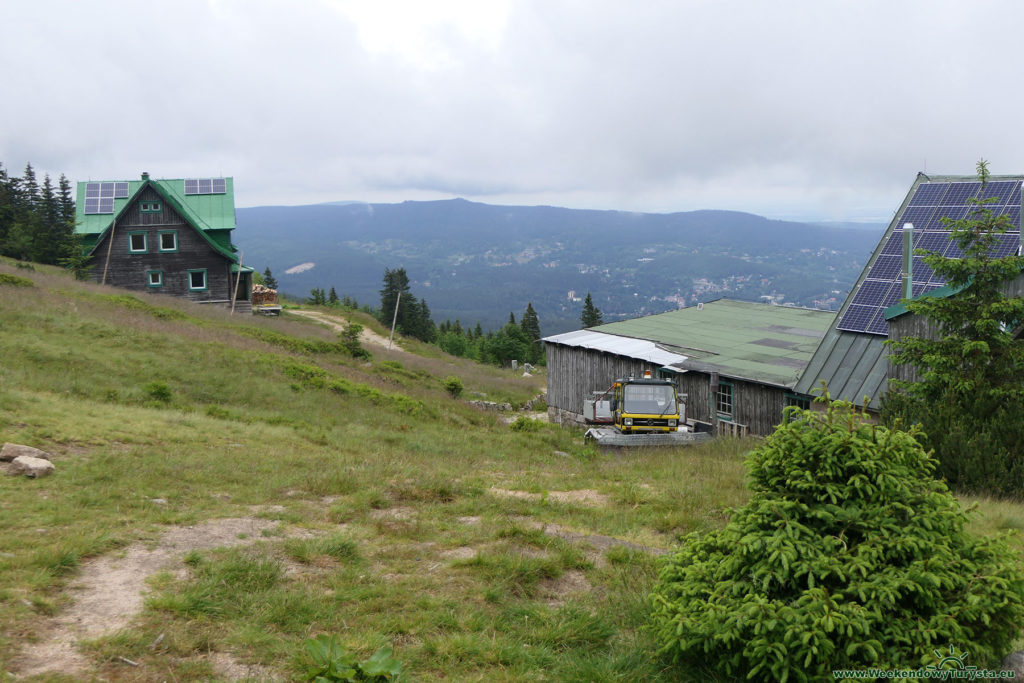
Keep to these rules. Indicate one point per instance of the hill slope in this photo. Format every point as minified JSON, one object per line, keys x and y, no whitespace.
{"x":265,"y":487}
{"x":475,"y":261}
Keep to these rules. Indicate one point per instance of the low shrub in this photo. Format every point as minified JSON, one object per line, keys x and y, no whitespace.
{"x":15,"y":280}
{"x":453,"y":385}
{"x":849,"y":555}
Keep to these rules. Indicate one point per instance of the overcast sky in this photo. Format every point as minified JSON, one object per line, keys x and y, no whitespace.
{"x":812,"y":110}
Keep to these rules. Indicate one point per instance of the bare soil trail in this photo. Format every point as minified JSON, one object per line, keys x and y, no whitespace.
{"x":110,"y":590}
{"x":367,"y":336}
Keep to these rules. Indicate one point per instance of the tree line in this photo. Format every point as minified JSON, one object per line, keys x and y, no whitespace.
{"x":37,"y":221}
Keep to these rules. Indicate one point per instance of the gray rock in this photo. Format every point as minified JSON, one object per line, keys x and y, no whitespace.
{"x":10,"y":451}
{"x":1014,"y":662}
{"x":31,"y":467}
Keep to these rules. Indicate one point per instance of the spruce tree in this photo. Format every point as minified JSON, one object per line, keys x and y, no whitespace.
{"x":969,"y":396}
{"x":268,"y":279}
{"x":531,"y":327}
{"x":591,"y":316}
{"x":332,"y":298}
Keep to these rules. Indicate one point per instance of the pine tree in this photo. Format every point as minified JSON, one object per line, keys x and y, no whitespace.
{"x":591,"y":315}
{"x":531,"y":327}
{"x":970,"y":393}
{"x":268,"y":279}
{"x":511,"y":318}
{"x":67,"y":201}
{"x":332,"y":298}
{"x":30,"y":188}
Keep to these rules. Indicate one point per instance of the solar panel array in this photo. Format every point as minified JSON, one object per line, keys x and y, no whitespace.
{"x":926,"y":210}
{"x":99,"y":197}
{"x":206,"y":186}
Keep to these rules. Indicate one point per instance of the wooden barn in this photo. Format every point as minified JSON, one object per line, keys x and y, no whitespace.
{"x":734,"y":360}
{"x":852,"y":359}
{"x":164,"y":236}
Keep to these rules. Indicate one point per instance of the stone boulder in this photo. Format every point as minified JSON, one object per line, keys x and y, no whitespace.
{"x":10,"y":451}
{"x":30,"y":467}
{"x":1014,"y":662}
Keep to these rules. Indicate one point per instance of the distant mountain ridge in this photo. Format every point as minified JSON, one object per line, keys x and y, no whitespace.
{"x":477,"y":262}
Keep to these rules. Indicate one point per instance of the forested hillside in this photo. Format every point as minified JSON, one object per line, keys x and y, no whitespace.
{"x":476,"y":262}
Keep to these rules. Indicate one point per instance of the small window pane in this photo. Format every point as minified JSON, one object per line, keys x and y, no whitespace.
{"x":138,"y":242}
{"x":168,"y":241}
{"x":197,"y":279}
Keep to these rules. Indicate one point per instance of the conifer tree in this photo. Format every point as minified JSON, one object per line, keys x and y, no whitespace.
{"x":969,"y":396}
{"x":531,"y":327}
{"x":332,"y":298}
{"x":268,"y":279}
{"x":591,"y":315}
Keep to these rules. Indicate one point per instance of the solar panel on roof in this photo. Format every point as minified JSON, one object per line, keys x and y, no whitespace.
{"x":206,"y":186}
{"x":929,"y":205}
{"x":99,"y":197}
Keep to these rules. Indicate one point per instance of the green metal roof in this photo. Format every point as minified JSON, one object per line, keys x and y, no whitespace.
{"x":751,"y":341}
{"x":205,"y":211}
{"x":213,"y":215}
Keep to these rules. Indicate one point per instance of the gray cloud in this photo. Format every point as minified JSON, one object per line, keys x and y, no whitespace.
{"x":789,"y":109}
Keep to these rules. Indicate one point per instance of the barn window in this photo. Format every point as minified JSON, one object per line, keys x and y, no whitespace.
{"x":197,"y":279}
{"x":723,"y":400}
{"x":168,"y":240}
{"x":798,"y":400}
{"x":149,"y":207}
{"x":155,"y":278}
{"x":137,"y":242}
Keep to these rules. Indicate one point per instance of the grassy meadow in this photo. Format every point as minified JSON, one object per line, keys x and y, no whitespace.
{"x":391,"y":513}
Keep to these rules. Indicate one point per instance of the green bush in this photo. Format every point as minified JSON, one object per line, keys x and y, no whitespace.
{"x":848,"y":555}
{"x":15,"y":281}
{"x":453,"y":385}
{"x":158,"y":391}
{"x":525,"y":424}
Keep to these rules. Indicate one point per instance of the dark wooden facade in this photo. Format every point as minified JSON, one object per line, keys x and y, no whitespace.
{"x":574,"y":372}
{"x":117,"y":264}
{"x":908,"y":325}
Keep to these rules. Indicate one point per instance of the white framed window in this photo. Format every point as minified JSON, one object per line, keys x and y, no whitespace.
{"x":723,"y":400}
{"x":167,"y":240}
{"x":149,"y":207}
{"x":154,"y":278}
{"x":137,"y":242}
{"x":197,"y":279}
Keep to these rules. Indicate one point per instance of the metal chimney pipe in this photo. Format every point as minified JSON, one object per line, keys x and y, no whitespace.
{"x":908,"y":260}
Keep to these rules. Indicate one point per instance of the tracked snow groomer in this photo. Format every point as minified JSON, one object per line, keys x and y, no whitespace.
{"x":640,"y":412}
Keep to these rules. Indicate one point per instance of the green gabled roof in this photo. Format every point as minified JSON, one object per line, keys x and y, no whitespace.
{"x":206,"y":211}
{"x":740,"y":339}
{"x":213,"y":215}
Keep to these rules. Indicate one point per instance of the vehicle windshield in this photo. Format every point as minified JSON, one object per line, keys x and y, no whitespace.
{"x":652,"y":399}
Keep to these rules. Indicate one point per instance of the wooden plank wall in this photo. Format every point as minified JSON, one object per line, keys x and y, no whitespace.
{"x":128,"y":270}
{"x":574,"y":372}
{"x":908,"y":325}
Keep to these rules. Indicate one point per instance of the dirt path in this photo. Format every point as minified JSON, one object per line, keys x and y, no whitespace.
{"x":367,"y":336}
{"x":109,"y":592}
